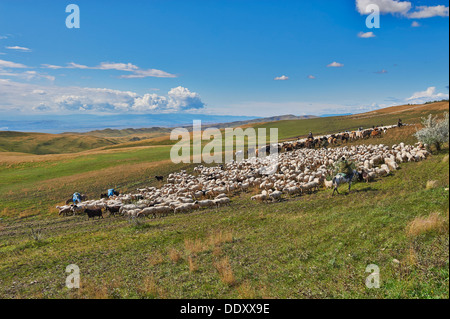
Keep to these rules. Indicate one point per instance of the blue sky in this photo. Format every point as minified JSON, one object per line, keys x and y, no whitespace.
{"x":221,"y":57}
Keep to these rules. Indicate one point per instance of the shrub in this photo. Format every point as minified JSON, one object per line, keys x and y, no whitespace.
{"x":435,"y":131}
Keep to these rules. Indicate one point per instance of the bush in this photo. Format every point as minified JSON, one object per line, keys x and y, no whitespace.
{"x":435,"y":131}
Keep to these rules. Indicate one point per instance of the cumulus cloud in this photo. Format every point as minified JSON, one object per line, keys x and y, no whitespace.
{"x":17,"y":48}
{"x":403,"y":8}
{"x":427,"y":96}
{"x":135,"y":71}
{"x":31,"y":97}
{"x":281,"y":78}
{"x":415,"y":24}
{"x":311,"y":77}
{"x":366,"y":35}
{"x":335,"y":65}
{"x":386,"y":6}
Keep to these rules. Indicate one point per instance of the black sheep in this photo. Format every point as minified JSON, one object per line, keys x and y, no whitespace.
{"x":94,"y":212}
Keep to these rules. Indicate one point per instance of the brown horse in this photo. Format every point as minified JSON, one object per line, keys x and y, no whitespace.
{"x":375,"y":133}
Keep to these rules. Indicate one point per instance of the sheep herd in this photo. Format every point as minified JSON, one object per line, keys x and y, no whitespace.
{"x":277,"y":176}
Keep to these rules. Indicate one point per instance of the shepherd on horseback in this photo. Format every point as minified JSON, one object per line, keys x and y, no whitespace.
{"x":345,"y":174}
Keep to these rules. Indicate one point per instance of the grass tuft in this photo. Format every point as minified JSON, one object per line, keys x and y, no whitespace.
{"x":422,"y":225}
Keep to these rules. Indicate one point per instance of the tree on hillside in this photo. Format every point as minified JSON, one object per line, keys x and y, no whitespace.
{"x":435,"y":131}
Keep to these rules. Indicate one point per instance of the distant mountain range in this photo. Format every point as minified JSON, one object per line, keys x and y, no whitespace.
{"x":118,"y":125}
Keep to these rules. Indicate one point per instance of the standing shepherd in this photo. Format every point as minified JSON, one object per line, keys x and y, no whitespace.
{"x":76,"y":198}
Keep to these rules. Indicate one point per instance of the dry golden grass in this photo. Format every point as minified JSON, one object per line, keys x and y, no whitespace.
{"x":175,"y":255}
{"x":213,"y":241}
{"x":422,"y":225}
{"x":246,"y":291}
{"x":155,"y":259}
{"x":195,"y":246}
{"x":432,"y":184}
{"x":92,"y":290}
{"x":217,"y":251}
{"x":192,"y":265}
{"x":412,"y":256}
{"x":220,"y":236}
{"x":225,"y":271}
{"x":149,"y":288}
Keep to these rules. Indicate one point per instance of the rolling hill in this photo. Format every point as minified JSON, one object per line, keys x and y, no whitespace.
{"x":289,"y":127}
{"x":309,"y":246}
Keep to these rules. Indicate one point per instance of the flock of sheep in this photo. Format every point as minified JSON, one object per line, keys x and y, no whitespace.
{"x":287,"y":174}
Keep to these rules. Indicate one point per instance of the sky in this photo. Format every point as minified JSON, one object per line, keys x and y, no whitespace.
{"x":246,"y":57}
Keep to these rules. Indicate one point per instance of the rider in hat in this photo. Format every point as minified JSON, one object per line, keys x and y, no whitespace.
{"x":345,"y":167}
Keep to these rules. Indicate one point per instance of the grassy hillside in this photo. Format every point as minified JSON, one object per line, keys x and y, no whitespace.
{"x":33,"y":185}
{"x":40,"y":143}
{"x":313,"y":246}
{"x":410,"y":114}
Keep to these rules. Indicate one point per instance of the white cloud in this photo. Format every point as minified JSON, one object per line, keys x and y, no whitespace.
{"x":27,"y":75}
{"x":148,"y":73}
{"x":9,"y":64}
{"x":281,"y":78}
{"x":427,"y":96}
{"x":19,"y":48}
{"x":429,"y":12}
{"x":382,"y":72}
{"x":117,"y":66}
{"x":6,"y":66}
{"x":127,"y":67}
{"x":335,"y":65}
{"x":37,"y":98}
{"x":386,"y":6}
{"x":366,"y":35}
{"x":311,"y":77}
{"x":415,"y":24}
{"x":403,"y":8}
{"x":37,"y":91}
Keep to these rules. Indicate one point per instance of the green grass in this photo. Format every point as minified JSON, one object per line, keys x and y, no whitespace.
{"x":39,"y":143}
{"x":33,"y":187}
{"x":313,"y":246}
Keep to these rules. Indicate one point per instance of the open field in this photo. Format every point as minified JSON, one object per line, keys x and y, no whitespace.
{"x":308,"y":247}
{"x":40,"y":143}
{"x":312,"y":246}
